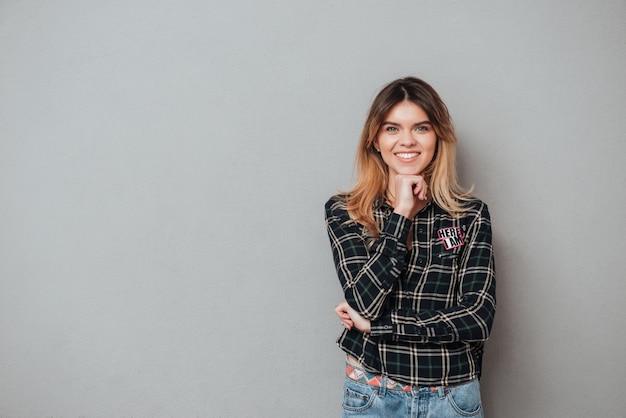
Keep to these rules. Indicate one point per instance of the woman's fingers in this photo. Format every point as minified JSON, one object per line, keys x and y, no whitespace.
{"x":342,"y":311}
{"x":410,"y":190}
{"x":421,"y":190}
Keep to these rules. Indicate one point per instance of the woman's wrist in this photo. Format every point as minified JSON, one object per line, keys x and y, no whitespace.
{"x":403,"y":212}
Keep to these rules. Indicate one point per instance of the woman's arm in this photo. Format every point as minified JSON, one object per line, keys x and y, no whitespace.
{"x":367,"y":274}
{"x":472,"y":318}
{"x":350,"y":318}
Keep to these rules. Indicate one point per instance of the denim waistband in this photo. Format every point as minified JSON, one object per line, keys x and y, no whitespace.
{"x":358,"y":374}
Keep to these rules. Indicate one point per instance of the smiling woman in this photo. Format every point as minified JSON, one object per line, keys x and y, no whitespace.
{"x":406,"y":143}
{"x":414,"y":258}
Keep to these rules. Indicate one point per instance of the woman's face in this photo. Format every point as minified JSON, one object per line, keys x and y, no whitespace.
{"x":406,"y":140}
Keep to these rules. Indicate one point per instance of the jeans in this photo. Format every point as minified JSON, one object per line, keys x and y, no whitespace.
{"x":362,"y":400}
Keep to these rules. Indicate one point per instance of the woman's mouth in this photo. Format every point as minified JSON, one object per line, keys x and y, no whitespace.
{"x":407,"y":155}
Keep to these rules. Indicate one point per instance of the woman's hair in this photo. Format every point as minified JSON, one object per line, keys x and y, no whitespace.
{"x":440,"y":174}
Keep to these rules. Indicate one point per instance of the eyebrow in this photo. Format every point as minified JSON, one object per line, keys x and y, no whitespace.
{"x":426,"y":122}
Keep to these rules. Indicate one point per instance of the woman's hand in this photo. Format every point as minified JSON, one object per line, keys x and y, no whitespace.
{"x":350,"y":318}
{"x":411,"y":192}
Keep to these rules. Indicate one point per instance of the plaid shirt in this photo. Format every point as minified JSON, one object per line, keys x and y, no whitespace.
{"x":431,"y":306}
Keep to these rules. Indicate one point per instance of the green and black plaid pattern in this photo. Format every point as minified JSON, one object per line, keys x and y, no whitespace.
{"x":431,"y":305}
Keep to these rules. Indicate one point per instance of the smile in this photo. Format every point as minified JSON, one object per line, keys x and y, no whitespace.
{"x":407,"y":155}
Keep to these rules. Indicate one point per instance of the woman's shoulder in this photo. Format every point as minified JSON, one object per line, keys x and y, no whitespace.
{"x":469,"y":208}
{"x":337,"y":201}
{"x":475,"y":208}
{"x":337,"y":206}
{"x":474,"y":202}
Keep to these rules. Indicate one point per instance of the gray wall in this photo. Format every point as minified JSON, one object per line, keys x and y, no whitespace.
{"x":164,"y":165}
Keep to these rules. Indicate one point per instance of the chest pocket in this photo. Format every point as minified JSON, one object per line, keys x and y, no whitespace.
{"x":448,"y":255}
{"x":446,"y":263}
{"x":443,"y":277}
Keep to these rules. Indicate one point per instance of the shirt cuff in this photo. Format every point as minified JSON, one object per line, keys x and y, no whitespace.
{"x":382,"y":326}
{"x":397,"y":226}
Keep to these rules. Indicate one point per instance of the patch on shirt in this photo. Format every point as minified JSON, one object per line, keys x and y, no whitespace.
{"x":451,"y":237}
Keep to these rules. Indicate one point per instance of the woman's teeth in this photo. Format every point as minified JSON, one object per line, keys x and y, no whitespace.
{"x":407,"y":155}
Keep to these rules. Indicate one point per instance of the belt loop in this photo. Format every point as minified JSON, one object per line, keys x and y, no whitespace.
{"x":442,"y":391}
{"x":383,"y":386}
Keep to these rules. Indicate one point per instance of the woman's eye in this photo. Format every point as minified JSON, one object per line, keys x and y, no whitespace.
{"x":423,"y":128}
{"x":391,"y":129}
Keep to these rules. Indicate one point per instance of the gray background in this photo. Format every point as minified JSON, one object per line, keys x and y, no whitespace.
{"x":164,"y":166}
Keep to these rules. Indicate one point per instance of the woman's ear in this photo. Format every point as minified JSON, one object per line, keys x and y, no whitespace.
{"x":375,"y":143}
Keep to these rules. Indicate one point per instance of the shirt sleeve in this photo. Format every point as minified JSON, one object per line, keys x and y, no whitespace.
{"x":472,"y":318}
{"x":367,"y":274}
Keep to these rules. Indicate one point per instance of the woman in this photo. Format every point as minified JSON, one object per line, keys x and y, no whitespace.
{"x":413,"y":254}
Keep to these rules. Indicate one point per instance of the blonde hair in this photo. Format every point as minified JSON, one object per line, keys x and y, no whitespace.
{"x":372,"y":172}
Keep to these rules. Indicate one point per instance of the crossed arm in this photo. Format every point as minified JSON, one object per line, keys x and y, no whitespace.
{"x":369,"y":274}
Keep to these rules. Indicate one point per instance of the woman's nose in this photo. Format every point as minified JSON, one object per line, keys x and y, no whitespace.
{"x":407,"y":138}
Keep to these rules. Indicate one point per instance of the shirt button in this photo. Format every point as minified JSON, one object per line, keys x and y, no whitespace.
{"x":420,"y":230}
{"x":420,"y":260}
